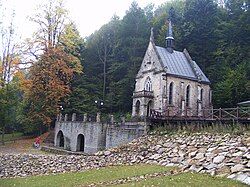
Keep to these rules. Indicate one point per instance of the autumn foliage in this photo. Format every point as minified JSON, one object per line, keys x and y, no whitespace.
{"x":49,"y":83}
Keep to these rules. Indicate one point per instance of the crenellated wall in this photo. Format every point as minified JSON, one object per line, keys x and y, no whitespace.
{"x":91,"y":137}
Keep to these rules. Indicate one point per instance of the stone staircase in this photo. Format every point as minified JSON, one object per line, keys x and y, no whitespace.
{"x":50,"y":138}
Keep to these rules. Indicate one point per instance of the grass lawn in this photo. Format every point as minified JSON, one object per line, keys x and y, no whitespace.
{"x":10,"y":137}
{"x":114,"y":173}
{"x":80,"y":178}
{"x":187,"y":180}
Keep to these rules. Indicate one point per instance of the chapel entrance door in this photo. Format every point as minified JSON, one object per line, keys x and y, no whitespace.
{"x":149,"y":107}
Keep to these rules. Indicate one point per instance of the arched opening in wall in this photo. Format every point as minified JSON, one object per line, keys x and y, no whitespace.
{"x":80,"y":143}
{"x":60,"y":139}
{"x":137,"y":108}
{"x":201,"y":95}
{"x":149,"y":107}
{"x":170,"y":96}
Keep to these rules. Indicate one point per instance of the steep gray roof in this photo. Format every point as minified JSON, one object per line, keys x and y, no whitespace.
{"x":177,"y":64}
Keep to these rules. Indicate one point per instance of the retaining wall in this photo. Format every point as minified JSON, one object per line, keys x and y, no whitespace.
{"x":97,"y":136}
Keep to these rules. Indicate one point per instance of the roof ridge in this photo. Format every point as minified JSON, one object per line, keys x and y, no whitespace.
{"x":193,"y":65}
{"x":179,"y":63}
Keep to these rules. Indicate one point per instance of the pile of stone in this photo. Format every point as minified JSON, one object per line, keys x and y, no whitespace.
{"x":223,"y":155}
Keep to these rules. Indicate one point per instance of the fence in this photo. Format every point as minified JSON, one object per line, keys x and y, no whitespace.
{"x":238,"y":113}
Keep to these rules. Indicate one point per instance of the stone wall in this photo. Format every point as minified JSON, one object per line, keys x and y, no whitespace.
{"x":155,"y":72}
{"x":93,"y":133}
{"x":97,"y":136}
{"x":118,"y":135}
{"x":179,"y":94}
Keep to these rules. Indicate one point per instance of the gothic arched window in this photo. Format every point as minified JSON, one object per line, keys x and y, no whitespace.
{"x":148,"y":85}
{"x":201,"y":95}
{"x":188,"y":96}
{"x":170,"y":96}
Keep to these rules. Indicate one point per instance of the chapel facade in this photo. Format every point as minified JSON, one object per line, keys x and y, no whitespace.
{"x":170,"y":82}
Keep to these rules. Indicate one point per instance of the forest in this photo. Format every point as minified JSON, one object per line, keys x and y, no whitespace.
{"x":56,"y":70}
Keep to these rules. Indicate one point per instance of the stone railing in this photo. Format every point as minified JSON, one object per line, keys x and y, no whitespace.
{"x":87,"y":118}
{"x":143,"y":93}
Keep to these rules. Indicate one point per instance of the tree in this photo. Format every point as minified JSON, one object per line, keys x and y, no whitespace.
{"x":173,"y":10}
{"x":199,"y":23}
{"x":234,"y":88}
{"x":128,"y":55}
{"x":50,"y":82}
{"x":217,"y":39}
{"x":103,"y":42}
{"x":9,"y":60}
{"x":57,"y":41}
{"x":52,"y":20}
{"x":9,"y":103}
{"x":54,"y":29}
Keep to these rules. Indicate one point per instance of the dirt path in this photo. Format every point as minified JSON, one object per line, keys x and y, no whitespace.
{"x":21,"y":146}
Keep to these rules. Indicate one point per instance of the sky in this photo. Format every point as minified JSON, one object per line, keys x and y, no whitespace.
{"x":89,"y":15}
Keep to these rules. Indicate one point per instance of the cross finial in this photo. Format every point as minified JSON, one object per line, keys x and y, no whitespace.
{"x":152,"y":35}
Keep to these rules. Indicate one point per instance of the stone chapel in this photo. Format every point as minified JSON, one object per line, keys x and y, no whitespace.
{"x":169,"y":81}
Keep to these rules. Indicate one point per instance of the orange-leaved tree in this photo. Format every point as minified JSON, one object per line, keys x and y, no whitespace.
{"x":50,"y":83}
{"x":55,"y":48}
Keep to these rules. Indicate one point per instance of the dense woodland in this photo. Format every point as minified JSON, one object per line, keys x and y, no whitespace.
{"x":63,"y":72}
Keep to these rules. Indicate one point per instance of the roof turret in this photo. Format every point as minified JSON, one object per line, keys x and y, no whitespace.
{"x":170,"y":38}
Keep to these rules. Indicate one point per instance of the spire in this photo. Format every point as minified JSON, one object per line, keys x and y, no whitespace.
{"x":152,"y":35}
{"x":170,"y":38}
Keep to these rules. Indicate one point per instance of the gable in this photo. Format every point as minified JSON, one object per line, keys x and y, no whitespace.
{"x":151,"y":61}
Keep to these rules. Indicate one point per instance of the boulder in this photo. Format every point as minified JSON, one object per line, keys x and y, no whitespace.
{"x":237,"y":168}
{"x":218,"y":159}
{"x":155,"y":157}
{"x":199,"y":156}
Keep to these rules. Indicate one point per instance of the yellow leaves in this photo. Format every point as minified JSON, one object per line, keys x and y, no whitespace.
{"x":24,"y":83}
{"x":70,"y":37}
